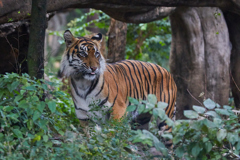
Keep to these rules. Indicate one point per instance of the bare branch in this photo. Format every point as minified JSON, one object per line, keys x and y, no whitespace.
{"x":124,"y":10}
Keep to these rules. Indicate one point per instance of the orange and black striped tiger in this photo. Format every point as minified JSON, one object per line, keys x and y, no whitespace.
{"x":91,"y":79}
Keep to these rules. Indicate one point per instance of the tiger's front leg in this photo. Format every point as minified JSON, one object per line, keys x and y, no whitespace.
{"x":84,"y":125}
{"x":119,"y":109}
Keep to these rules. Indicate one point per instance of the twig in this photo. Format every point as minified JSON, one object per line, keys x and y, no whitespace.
{"x":194,"y":97}
{"x":234,"y":82}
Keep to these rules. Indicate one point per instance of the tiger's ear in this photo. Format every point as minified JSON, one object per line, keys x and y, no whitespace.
{"x":69,"y":38}
{"x":97,"y":37}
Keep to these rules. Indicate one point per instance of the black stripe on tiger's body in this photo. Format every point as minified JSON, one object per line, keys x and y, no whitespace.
{"x":91,"y":79}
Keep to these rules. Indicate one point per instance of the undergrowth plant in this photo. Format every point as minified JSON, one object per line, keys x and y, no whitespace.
{"x":37,"y":121}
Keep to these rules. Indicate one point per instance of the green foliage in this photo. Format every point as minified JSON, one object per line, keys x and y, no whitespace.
{"x":211,"y":132}
{"x":38,"y":122}
{"x":213,"y":135}
{"x":78,"y":26}
{"x":31,"y":115}
{"x":149,"y":42}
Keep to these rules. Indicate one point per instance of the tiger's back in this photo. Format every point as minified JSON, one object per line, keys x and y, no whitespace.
{"x":137,"y":79}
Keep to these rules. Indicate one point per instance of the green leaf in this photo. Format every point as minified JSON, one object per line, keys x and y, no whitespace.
{"x":213,"y":114}
{"x":208,"y":146}
{"x":190,"y":114}
{"x":18,"y":133}
{"x":8,"y":108}
{"x":227,"y":107}
{"x":133,"y":100}
{"x":1,"y":136}
{"x":1,"y":94}
{"x":36,"y":115}
{"x":199,"y":109}
{"x":162,"y":105}
{"x":43,"y":124}
{"x":222,"y":112}
{"x":22,"y":92}
{"x":167,"y":136}
{"x":52,"y":106}
{"x":155,"y":112}
{"x":221,"y":134}
{"x":238,"y":145}
{"x":205,"y":139}
{"x":160,"y":113}
{"x":131,"y":108}
{"x":17,"y":98}
{"x":209,"y":124}
{"x":30,"y":124}
{"x":169,"y":122}
{"x":45,"y":138}
{"x":152,"y":99}
{"x":30,"y":88}
{"x":23,"y":104}
{"x":13,"y":86}
{"x":141,"y":108}
{"x":217,"y":121}
{"x":209,"y":104}
{"x":232,"y":137}
{"x":177,"y":139}
{"x":196,"y":150}
{"x":179,"y":151}
{"x":34,"y":98}
{"x":41,"y":106}
{"x":143,"y":26}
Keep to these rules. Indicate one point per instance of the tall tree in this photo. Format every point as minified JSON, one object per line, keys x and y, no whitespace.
{"x":36,"y":40}
{"x":200,"y":56}
{"x":117,"y":36}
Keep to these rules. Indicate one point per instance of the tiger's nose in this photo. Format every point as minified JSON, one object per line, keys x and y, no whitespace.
{"x":93,"y":68}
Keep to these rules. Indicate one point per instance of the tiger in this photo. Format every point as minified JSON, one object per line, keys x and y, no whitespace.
{"x":92,"y":79}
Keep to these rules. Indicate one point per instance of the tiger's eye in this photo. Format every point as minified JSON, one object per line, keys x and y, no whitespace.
{"x":83,"y":54}
{"x":97,"y":54}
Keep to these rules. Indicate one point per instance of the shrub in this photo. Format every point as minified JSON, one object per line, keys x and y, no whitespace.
{"x":211,"y":132}
{"x":38,"y":122}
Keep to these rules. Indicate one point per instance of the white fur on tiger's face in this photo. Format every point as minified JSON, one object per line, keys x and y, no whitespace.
{"x":82,"y":57}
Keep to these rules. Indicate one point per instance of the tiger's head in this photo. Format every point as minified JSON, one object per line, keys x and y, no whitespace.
{"x":82,"y":57}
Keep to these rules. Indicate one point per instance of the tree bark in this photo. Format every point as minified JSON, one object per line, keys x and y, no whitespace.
{"x":123,"y":10}
{"x":117,"y":36}
{"x":233,"y":22}
{"x":200,"y":56}
{"x":36,"y":42}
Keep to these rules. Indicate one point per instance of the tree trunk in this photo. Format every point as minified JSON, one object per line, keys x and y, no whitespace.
{"x":200,"y":56}
{"x":37,"y":35}
{"x":116,"y":41}
{"x":233,"y":22}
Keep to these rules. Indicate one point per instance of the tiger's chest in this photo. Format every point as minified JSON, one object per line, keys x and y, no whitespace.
{"x":86,"y":96}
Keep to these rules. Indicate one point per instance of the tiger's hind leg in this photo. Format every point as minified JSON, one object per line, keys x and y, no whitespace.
{"x":141,"y":121}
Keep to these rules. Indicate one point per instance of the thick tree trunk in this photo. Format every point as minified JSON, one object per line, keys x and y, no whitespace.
{"x":116,"y":41}
{"x":200,"y":56}
{"x":233,"y":22}
{"x":37,"y":35}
